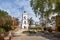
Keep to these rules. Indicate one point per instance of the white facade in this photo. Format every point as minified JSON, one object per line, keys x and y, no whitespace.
{"x":24,"y":21}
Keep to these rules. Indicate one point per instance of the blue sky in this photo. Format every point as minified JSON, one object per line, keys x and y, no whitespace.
{"x":16,"y":7}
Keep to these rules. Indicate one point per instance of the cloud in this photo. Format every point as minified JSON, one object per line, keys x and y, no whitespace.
{"x":16,"y":7}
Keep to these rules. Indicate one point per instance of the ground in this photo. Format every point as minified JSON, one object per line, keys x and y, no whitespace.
{"x":37,"y":36}
{"x":29,"y":38}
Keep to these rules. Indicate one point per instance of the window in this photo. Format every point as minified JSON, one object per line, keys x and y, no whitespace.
{"x":24,"y":27}
{"x":24,"y":22}
{"x":24,"y":17}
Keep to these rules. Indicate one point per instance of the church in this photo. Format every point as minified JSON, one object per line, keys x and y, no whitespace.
{"x":25,"y":24}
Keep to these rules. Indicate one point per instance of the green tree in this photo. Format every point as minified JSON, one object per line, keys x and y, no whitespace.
{"x":30,"y":21}
{"x":17,"y":21}
{"x":5,"y":20}
{"x":39,"y":4}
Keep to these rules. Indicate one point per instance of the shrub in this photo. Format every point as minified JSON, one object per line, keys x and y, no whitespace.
{"x":2,"y":30}
{"x":31,"y":32}
{"x":5,"y":28}
{"x":35,"y":28}
{"x":49,"y":29}
{"x":25,"y":32}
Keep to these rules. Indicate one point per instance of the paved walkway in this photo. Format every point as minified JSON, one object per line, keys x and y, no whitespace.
{"x":38,"y":36}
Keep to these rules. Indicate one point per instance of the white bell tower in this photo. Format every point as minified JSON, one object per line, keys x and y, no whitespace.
{"x":24,"y":21}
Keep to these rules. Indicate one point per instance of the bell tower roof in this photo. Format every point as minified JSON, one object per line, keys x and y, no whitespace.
{"x":24,"y":13}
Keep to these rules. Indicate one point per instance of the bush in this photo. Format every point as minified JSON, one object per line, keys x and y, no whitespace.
{"x":25,"y":32}
{"x":31,"y":32}
{"x":5,"y":28}
{"x":2,"y":30}
{"x":49,"y":29}
{"x":35,"y":28}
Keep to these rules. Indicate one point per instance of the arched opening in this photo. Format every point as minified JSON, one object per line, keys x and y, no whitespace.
{"x":24,"y":27}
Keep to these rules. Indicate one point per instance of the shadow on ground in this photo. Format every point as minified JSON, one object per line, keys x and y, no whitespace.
{"x":46,"y":35}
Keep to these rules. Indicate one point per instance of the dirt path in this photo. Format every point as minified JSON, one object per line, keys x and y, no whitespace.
{"x":38,"y":36}
{"x":29,"y":38}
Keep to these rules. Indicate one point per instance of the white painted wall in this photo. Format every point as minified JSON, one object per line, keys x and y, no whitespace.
{"x":24,"y":19}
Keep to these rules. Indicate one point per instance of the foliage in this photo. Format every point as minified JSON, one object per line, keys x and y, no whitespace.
{"x":39,"y":7}
{"x":5,"y":20}
{"x":30,"y":21}
{"x":39,"y":4}
{"x":2,"y":30}
{"x":35,"y":28}
{"x":57,"y":7}
{"x":31,"y":32}
{"x":17,"y":21}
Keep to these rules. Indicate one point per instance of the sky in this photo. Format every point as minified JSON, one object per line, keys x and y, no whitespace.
{"x":15,"y":8}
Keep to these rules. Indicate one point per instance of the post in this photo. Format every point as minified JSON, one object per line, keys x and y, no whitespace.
{"x":56,"y":28}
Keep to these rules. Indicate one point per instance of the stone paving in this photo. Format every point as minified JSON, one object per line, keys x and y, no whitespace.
{"x":37,"y":36}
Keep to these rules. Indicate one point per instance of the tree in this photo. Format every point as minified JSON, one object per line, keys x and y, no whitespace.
{"x":30,"y":21}
{"x":41,"y":7}
{"x":45,"y":7}
{"x":17,"y":21}
{"x":38,"y":4}
{"x":58,"y":7}
{"x":5,"y":20}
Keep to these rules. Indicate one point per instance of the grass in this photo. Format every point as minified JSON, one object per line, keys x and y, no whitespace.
{"x":2,"y":30}
{"x":35,"y":28}
{"x":31,"y":32}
